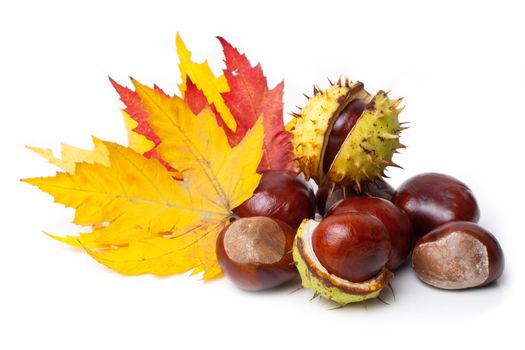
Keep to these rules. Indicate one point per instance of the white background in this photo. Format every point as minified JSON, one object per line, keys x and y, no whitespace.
{"x":459,"y":67}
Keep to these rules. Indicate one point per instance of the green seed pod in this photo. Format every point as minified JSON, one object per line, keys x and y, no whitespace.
{"x":345,"y":135}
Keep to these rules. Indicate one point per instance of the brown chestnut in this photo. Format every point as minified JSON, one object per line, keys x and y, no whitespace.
{"x":342,"y":126}
{"x":354,"y":246}
{"x":431,"y":200}
{"x":458,"y":255}
{"x":256,"y":252}
{"x":329,"y":194}
{"x":280,"y":195}
{"x":395,"y":220}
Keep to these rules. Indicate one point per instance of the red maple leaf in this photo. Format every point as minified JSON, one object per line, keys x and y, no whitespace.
{"x":195,"y":98}
{"x":248,"y":99}
{"x":135,"y":109}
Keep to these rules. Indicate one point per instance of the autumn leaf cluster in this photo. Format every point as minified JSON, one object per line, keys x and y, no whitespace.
{"x":157,"y":205}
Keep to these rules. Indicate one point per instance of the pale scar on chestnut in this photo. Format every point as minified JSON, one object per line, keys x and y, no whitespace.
{"x":249,"y":242}
{"x":455,"y":261}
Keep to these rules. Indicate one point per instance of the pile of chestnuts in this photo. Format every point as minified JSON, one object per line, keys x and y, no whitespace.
{"x":346,"y":240}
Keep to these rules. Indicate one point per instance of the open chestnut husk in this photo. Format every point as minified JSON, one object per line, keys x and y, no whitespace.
{"x":394,"y":219}
{"x":458,"y":255}
{"x":256,"y":253}
{"x":346,"y":135}
{"x":432,"y":199}
{"x":343,"y":257}
{"x":280,"y":195}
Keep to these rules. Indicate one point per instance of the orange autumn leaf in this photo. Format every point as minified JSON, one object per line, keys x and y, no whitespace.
{"x":141,"y":137}
{"x":236,"y":98}
{"x":144,"y":220}
{"x":158,"y":205}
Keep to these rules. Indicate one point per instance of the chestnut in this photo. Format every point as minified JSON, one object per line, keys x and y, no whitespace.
{"x":256,"y":253}
{"x":431,"y":200}
{"x":395,"y":220}
{"x":341,"y":128}
{"x":329,"y":194}
{"x":354,"y":246}
{"x":280,"y":195}
{"x":458,"y":255}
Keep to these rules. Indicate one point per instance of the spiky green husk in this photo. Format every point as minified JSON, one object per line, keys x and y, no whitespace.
{"x":314,"y":122}
{"x":315,"y":277}
{"x":370,"y":145}
{"x":368,"y":148}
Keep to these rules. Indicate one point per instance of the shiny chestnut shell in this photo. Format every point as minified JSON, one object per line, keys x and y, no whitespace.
{"x":342,"y":126}
{"x":328,"y":194}
{"x":354,"y":246}
{"x":458,"y":255}
{"x":280,"y":195}
{"x":431,"y":200}
{"x":256,"y":253}
{"x":395,"y":220}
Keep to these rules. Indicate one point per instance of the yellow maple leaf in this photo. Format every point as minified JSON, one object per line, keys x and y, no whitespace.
{"x":71,"y":155}
{"x":187,"y":146}
{"x":193,"y":249}
{"x":145,"y":221}
{"x":81,"y":240}
{"x":202,"y":76}
{"x":140,"y":143}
